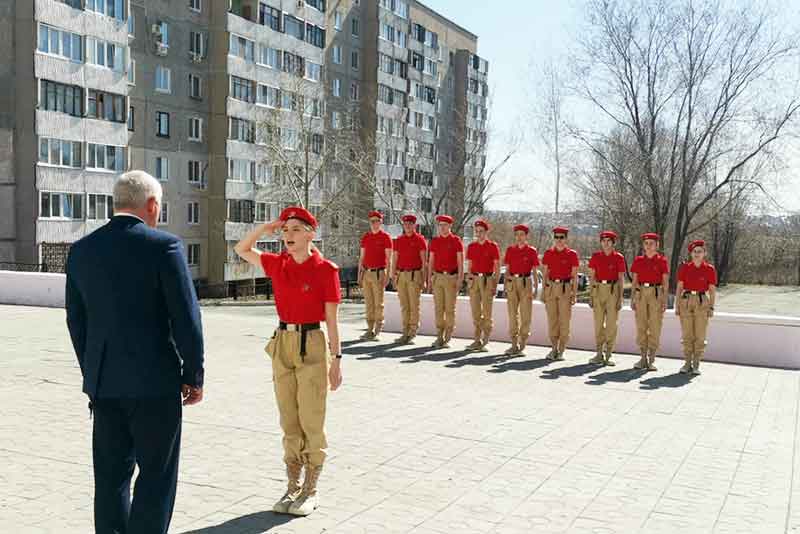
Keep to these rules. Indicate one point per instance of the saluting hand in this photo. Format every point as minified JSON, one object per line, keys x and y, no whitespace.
{"x":272,"y":227}
{"x":335,"y":374}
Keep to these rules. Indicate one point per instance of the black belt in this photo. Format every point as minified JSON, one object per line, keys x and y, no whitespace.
{"x":379,"y":269}
{"x":612,"y":282}
{"x":648,"y":284}
{"x":485,"y":276}
{"x":524,"y":277}
{"x":303,"y":328}
{"x":700,"y":294}
{"x":563,"y":282}
{"x":412,"y":271}
{"x":451,"y":273}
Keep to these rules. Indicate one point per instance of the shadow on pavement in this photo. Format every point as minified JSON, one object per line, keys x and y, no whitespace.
{"x":369,"y":347}
{"x":425,"y":354}
{"x":670,"y":381}
{"x":575,"y":370}
{"x":486,"y":359}
{"x":622,"y":375}
{"x":247,"y":524}
{"x":519,"y":365}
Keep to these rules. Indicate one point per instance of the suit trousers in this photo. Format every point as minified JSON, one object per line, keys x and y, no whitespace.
{"x":409,"y":289}
{"x":143,"y":432}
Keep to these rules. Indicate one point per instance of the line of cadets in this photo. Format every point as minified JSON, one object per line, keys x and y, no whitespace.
{"x":414,"y":267}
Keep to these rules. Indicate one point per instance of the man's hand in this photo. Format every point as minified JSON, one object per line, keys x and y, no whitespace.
{"x":711,"y":312}
{"x":619,"y":304}
{"x":663,"y":305}
{"x":677,"y":310}
{"x":395,"y":278}
{"x":335,"y":374}
{"x":191,"y":395}
{"x":272,"y":227}
{"x":633,"y":302}
{"x":385,"y":280}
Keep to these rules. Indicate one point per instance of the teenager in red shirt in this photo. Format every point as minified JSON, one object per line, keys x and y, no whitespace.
{"x":373,"y":272}
{"x":696,"y":292}
{"x":483,"y":258}
{"x":521,"y":284}
{"x":445,"y":276}
{"x":561,"y":288}
{"x":607,"y":277}
{"x":408,"y":275}
{"x":649,"y":301}
{"x":306,"y":294}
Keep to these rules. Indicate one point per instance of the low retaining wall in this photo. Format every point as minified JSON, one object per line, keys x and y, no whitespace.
{"x":32,"y":289}
{"x":733,"y":338}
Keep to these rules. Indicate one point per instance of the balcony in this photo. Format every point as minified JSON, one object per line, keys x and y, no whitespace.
{"x":241,"y":271}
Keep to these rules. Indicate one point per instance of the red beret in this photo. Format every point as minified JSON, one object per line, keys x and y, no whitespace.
{"x":375,"y":213}
{"x":696,"y":243}
{"x":484,"y":224}
{"x":650,"y":235}
{"x":521,"y":227}
{"x":444,"y":218}
{"x":299,"y":213}
{"x":409,"y":218}
{"x":608,"y":234}
{"x":561,"y":230}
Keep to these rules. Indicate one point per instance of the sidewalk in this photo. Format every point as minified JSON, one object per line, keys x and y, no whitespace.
{"x":424,"y":441}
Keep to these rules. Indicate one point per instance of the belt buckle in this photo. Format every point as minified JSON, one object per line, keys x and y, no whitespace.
{"x":293,"y":327}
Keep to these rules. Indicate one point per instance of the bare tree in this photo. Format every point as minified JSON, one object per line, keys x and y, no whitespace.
{"x":548,"y":117}
{"x":686,"y":79}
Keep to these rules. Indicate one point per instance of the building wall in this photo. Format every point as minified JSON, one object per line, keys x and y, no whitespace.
{"x":8,"y":222}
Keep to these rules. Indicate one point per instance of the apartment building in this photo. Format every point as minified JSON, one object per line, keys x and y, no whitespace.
{"x":240,"y":108}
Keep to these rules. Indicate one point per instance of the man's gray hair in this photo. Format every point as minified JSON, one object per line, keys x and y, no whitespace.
{"x":134,"y":188}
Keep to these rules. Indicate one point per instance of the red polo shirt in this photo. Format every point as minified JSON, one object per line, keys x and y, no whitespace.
{"x":521,"y":260}
{"x":607,"y":266}
{"x":408,"y":248}
{"x":445,"y":250}
{"x":650,"y":270}
{"x":301,"y":290}
{"x":483,"y":256}
{"x":375,"y":245}
{"x":697,"y":278}
{"x":560,"y":264}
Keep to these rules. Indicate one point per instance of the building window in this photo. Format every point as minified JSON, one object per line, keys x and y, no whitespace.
{"x":269,"y":16}
{"x":195,"y":129}
{"x":293,"y":64}
{"x":354,"y":59}
{"x":131,"y":71}
{"x":77,"y":4}
{"x":354,"y":91}
{"x":269,"y":96}
{"x":195,"y":176}
{"x":241,"y":170}
{"x":337,"y":20}
{"x":197,"y":45}
{"x":105,"y":106}
{"x":105,"y":157}
{"x":131,"y":119}
{"x":241,"y":211}
{"x":55,"y":96}
{"x":103,"y":54}
{"x":270,"y":57}
{"x":131,"y":25}
{"x":319,"y":5}
{"x":354,"y":27}
{"x":337,"y":87}
{"x":110,"y":8}
{"x":68,"y":206}
{"x":242,"y":48}
{"x":163,"y":215}
{"x":163,"y":33}
{"x":313,"y":71}
{"x":261,"y":212}
{"x":162,"y":168}
{"x":195,"y":87}
{"x":194,"y":213}
{"x":163,"y":79}
{"x":336,"y":121}
{"x":195,"y":5}
{"x":337,"y":54}
{"x":241,"y":130}
{"x":402,"y":39}
{"x":99,"y":207}
{"x":193,"y":254}
{"x":294,"y":27}
{"x":315,"y":35}
{"x":386,"y":32}
{"x":60,"y":43}
{"x":241,"y":89}
{"x":59,"y":152}
{"x":162,"y":124}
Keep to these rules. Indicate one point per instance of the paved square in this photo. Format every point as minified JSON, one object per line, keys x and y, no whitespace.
{"x":424,"y":441}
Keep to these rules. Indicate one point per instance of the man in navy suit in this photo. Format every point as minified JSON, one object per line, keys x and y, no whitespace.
{"x":135,"y":324}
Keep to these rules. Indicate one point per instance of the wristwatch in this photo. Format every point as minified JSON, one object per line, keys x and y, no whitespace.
{"x":337,"y":356}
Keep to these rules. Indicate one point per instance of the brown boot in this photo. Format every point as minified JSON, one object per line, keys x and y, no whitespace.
{"x":687,"y":364}
{"x":512,"y":350}
{"x":377,"y":330}
{"x":696,"y":363}
{"x":598,"y":358}
{"x":439,"y":343}
{"x":609,"y":358}
{"x":293,"y":471}
{"x":366,"y":336}
{"x":484,"y":342}
{"x":642,"y":363}
{"x":651,"y":361}
{"x":521,"y":344}
{"x":307,"y":501}
{"x":410,"y":337}
{"x":448,"y":335}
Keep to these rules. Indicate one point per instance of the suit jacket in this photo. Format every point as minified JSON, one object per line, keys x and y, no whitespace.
{"x":132,"y":312}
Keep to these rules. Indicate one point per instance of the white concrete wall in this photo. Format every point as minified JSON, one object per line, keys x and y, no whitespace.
{"x":32,"y":289}
{"x":734,"y":338}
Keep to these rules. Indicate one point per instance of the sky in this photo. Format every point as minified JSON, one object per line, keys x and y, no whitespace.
{"x":514,"y":48}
